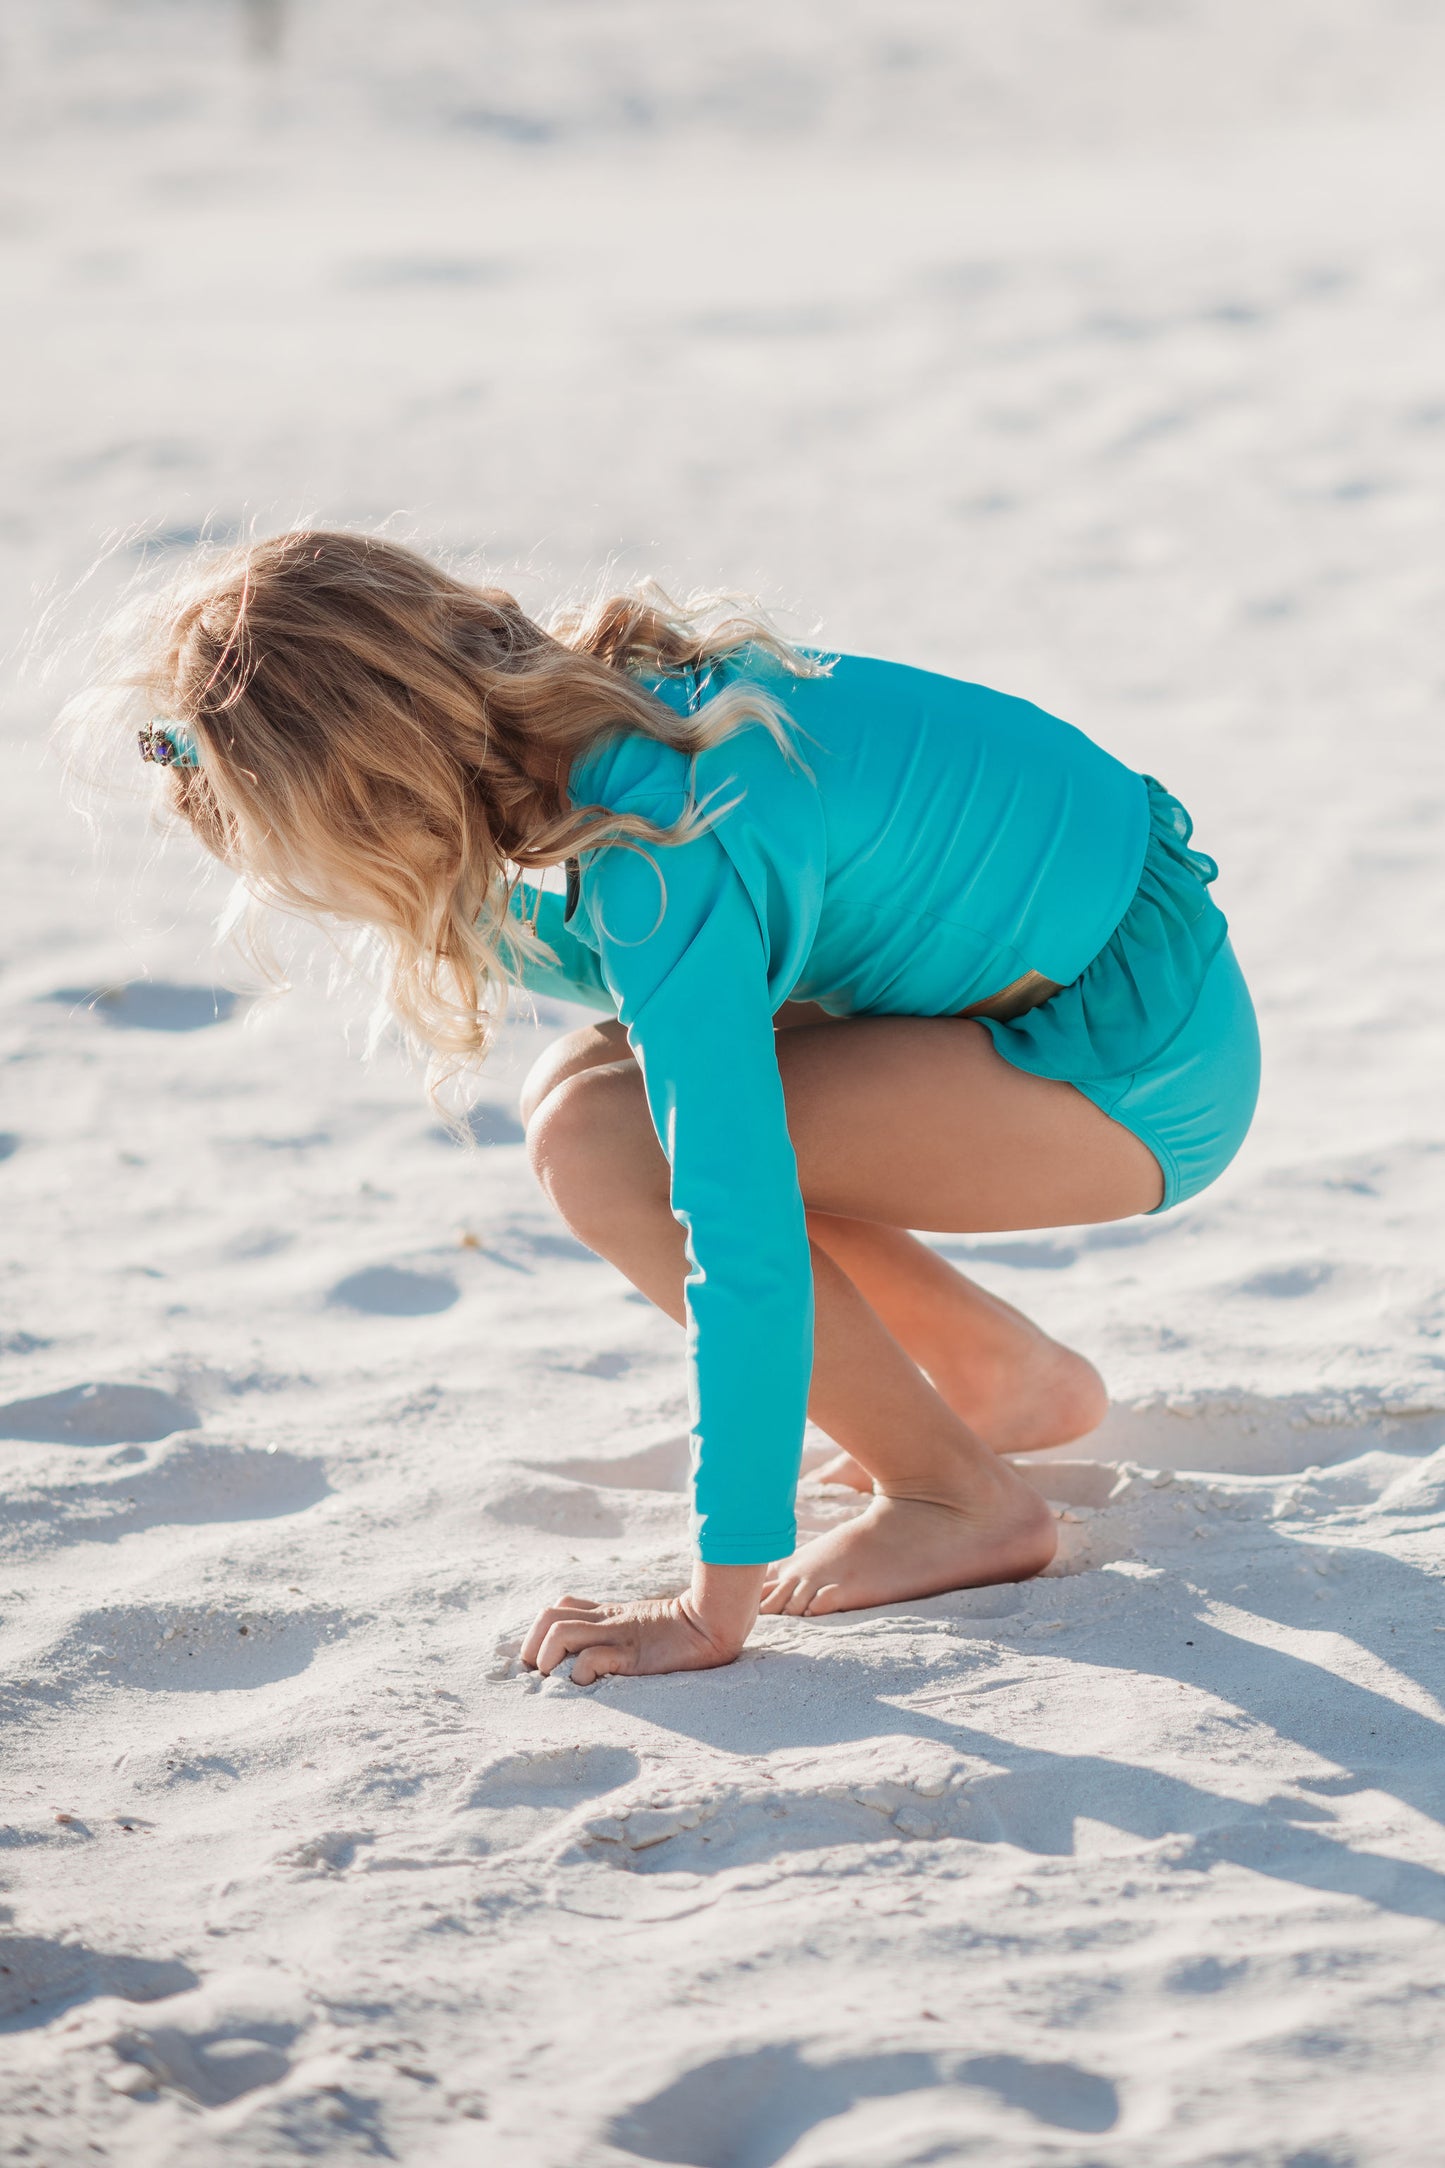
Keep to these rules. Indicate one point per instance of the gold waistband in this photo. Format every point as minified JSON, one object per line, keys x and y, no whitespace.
{"x":1016,"y":999}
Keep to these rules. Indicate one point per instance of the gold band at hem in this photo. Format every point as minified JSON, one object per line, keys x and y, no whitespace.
{"x":1016,"y":999}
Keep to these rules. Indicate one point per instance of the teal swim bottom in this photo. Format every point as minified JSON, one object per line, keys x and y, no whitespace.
{"x":1193,"y":1103}
{"x":1159,"y":1031}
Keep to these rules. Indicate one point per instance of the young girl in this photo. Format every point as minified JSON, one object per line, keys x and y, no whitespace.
{"x":876,"y":949}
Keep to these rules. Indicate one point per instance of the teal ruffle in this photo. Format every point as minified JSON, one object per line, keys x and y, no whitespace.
{"x":1141,"y":988}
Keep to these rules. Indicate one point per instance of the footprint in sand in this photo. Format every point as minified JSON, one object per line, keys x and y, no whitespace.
{"x":570,"y":1497}
{"x":666,"y":1466}
{"x":395,"y":1291}
{"x":1286,"y":1283}
{"x":760,"y":2104}
{"x":40,"y":1978}
{"x":522,"y":1796}
{"x":611,"y":1363}
{"x":756,"y":1828}
{"x":558,"y":1508}
{"x":101,"y":1414}
{"x":1041,"y":1256}
{"x":151,"y":1005}
{"x":1231,"y":1433}
{"x":189,"y":1648}
{"x":193,"y":1484}
{"x":220,"y":2041}
{"x":332,"y":1852}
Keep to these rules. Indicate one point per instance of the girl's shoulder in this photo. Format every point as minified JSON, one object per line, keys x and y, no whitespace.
{"x":630,"y":773}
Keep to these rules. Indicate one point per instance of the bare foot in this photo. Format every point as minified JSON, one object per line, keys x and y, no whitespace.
{"x":899,"y":1548}
{"x":1045,"y":1395}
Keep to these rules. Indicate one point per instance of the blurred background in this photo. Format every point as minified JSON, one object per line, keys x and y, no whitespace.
{"x":1074,"y":336}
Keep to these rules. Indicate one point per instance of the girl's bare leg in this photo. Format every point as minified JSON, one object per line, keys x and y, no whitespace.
{"x":899,"y":1122}
{"x":1018,"y":1389}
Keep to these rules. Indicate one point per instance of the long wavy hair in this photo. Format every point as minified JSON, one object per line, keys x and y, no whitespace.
{"x":384,"y":744}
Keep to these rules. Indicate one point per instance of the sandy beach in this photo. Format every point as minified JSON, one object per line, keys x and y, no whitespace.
{"x":1095,"y":352}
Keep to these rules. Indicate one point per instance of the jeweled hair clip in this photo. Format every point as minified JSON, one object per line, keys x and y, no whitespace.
{"x":168,"y":745}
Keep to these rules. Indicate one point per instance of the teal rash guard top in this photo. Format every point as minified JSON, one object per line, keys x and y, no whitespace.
{"x":930,"y":842}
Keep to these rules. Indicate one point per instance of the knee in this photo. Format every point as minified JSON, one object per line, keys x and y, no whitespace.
{"x":576,"y":1142}
{"x":566,"y":1057}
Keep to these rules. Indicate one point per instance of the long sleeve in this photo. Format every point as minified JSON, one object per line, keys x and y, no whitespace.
{"x":575,"y":975}
{"x":688,"y":968}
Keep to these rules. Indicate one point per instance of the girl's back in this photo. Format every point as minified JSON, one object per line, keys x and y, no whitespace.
{"x":934,"y":841}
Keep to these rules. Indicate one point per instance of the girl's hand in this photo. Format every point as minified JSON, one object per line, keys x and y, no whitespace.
{"x":704,"y":1627}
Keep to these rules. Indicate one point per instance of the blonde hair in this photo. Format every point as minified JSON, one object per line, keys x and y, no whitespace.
{"x":383,"y":743}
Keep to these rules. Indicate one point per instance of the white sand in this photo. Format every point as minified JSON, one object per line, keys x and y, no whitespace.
{"x":1095,"y":350}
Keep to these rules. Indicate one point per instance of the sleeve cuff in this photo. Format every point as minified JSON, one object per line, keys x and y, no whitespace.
{"x":747,"y":1550}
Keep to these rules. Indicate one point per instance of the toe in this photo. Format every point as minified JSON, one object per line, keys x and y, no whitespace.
{"x":825,"y":1599}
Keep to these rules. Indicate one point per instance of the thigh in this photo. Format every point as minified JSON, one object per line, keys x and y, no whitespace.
{"x":918,"y":1122}
{"x":909,"y":1121}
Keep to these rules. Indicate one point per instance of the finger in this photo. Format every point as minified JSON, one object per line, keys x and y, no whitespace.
{"x":536,"y":1634}
{"x":602,"y":1660}
{"x":564,"y":1639}
{"x":554,"y":1613}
